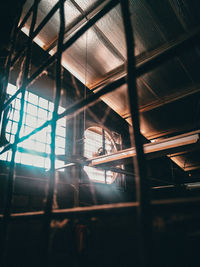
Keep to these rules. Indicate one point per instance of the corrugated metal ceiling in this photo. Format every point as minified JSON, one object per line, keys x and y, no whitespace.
{"x":100,"y":53}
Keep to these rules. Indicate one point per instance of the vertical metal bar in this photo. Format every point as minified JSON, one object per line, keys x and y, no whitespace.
{"x":104,"y":151}
{"x":8,"y":60}
{"x":51,"y":184}
{"x":142,"y":186}
{"x":9,"y":191}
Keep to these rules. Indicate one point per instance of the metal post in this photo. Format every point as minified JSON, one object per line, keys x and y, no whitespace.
{"x":51,"y":184}
{"x":8,"y":59}
{"x":104,"y":152}
{"x":9,"y":191}
{"x":142,"y":186}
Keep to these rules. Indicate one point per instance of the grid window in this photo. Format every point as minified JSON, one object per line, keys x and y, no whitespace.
{"x":92,"y":143}
{"x":36,"y":111}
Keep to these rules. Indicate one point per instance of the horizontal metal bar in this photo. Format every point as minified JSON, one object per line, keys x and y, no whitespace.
{"x":149,"y":60}
{"x":185,"y":92}
{"x":152,"y":150}
{"x":105,"y":209}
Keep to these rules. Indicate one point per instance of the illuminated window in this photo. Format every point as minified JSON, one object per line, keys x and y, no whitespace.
{"x":98,"y":142}
{"x":35,"y":150}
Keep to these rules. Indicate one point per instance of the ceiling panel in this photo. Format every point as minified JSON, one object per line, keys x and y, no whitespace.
{"x":165,"y":17}
{"x":168,"y":78}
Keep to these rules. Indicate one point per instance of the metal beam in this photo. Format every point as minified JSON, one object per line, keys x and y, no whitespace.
{"x":149,"y":60}
{"x":151,"y":150}
{"x":171,"y":98}
{"x":79,"y":22}
{"x":108,"y":209}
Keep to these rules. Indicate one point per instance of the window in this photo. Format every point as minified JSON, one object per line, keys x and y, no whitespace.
{"x":35,"y":150}
{"x":96,"y":140}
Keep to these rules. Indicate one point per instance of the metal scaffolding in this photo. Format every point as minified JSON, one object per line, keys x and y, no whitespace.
{"x":143,"y":204}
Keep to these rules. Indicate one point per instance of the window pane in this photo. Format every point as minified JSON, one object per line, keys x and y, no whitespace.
{"x":61,"y":122}
{"x":40,"y":147}
{"x":59,"y":151}
{"x":38,"y":161}
{"x":27,"y":130}
{"x":60,"y":131}
{"x":8,"y":126}
{"x":60,"y":110}
{"x":18,"y":157}
{"x":31,"y":121}
{"x":11,"y":89}
{"x":60,"y":142}
{"x":32,"y":98}
{"x":43,"y":103}
{"x":31,"y":109}
{"x":17,"y":104}
{"x":40,"y":122}
{"x":14,"y":128}
{"x":36,"y":111}
{"x":51,"y":106}
{"x":27,"y":159}
{"x":42,"y":113}
{"x":16,"y":115}
{"x":29,"y":144}
{"x":59,"y":163}
{"x":12,"y":138}
{"x":41,"y":136}
{"x":26,"y":95}
{"x":47,"y":163}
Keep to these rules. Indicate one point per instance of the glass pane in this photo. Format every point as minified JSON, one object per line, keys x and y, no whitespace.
{"x":27,"y":159}
{"x":47,"y":163}
{"x":59,"y":163}
{"x":29,"y":144}
{"x":59,"y":151}
{"x":14,"y":128}
{"x":4,"y":156}
{"x":60,"y":131}
{"x":16,"y":115}
{"x":40,"y":122}
{"x":27,"y":130}
{"x":32,"y":98}
{"x":31,"y":109}
{"x":62,"y":122}
{"x":11,"y":89}
{"x":50,"y":115}
{"x":31,"y":121}
{"x":8,"y":126}
{"x":60,"y":109}
{"x":42,"y":113}
{"x":18,"y":157}
{"x":51,"y":106}
{"x":38,"y":161}
{"x":60,"y":142}
{"x":12,"y":138}
{"x":40,"y":147}
{"x":43,"y":103}
{"x":17,"y":104}
{"x":8,"y":136}
{"x":41,"y":136}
